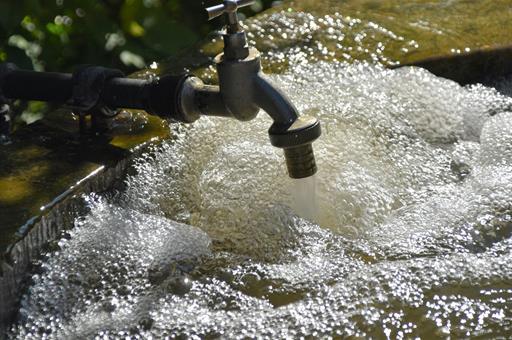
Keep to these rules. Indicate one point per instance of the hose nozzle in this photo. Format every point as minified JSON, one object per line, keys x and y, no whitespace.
{"x":296,"y":140}
{"x":300,"y":161}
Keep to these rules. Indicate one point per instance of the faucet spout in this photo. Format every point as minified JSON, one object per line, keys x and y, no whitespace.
{"x":291,"y":132}
{"x":274,"y":102}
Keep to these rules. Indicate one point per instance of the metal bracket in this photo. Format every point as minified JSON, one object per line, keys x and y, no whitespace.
{"x":88,"y":84}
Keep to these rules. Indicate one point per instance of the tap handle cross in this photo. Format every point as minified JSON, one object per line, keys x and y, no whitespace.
{"x":229,"y":8}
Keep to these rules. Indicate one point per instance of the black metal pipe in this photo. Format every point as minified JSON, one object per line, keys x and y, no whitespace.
{"x":41,"y":86}
{"x":58,"y":87}
{"x":126,"y":93}
{"x":158,"y":97}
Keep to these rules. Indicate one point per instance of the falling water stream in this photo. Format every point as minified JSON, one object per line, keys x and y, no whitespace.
{"x":304,"y":201}
{"x":406,"y":230}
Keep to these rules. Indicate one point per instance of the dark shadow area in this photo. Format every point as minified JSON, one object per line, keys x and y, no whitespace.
{"x":479,"y":66}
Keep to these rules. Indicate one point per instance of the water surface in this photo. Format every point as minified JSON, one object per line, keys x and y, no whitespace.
{"x":405,"y":230}
{"x":411,"y":234}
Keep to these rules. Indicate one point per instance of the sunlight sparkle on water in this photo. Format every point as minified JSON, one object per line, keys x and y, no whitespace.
{"x":406,"y":228}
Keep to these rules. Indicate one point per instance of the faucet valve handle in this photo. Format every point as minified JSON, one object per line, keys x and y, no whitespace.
{"x":229,"y":8}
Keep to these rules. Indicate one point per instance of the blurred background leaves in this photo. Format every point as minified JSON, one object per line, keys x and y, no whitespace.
{"x":55,"y":35}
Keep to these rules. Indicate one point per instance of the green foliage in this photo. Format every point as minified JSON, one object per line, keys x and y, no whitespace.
{"x":55,"y":35}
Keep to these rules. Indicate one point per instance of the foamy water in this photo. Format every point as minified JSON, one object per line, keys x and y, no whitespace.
{"x":408,"y":234}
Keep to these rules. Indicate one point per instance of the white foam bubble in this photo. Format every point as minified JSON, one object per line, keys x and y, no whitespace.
{"x":412,"y":235}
